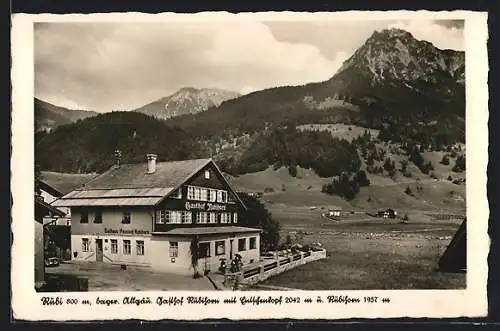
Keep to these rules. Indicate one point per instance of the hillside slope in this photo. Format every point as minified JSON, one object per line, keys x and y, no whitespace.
{"x":392,"y":80}
{"x":89,"y":145}
{"x":49,"y":117}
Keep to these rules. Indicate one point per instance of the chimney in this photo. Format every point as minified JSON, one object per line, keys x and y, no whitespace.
{"x":151,"y":163}
{"x":118,"y":156}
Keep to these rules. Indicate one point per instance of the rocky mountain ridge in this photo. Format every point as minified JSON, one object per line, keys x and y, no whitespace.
{"x":187,"y":100}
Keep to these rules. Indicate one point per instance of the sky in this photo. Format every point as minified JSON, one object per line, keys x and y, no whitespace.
{"x":124,"y":65}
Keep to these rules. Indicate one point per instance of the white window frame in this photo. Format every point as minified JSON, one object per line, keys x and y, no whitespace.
{"x":114,"y":244}
{"x":201,"y":217}
{"x":177,"y":194}
{"x":139,"y":247}
{"x":235,"y":217}
{"x":175,"y":217}
{"x":204,"y":193}
{"x":213,"y":195}
{"x":254,"y":239}
{"x":212,"y":219}
{"x":127,"y":243}
{"x":223,"y":245}
{"x":191,"y":194}
{"x":173,"y":249}
{"x":207,"y":174}
{"x":186,"y":217}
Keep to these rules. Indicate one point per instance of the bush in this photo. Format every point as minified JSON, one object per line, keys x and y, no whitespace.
{"x":256,"y":215}
{"x":344,"y":186}
{"x":389,"y":165}
{"x":450,"y":178}
{"x":363,"y":179}
{"x":404,"y":165}
{"x":408,"y":191}
{"x":268,"y":190}
{"x":426,"y":168}
{"x":459,"y":164}
{"x":445,"y":160}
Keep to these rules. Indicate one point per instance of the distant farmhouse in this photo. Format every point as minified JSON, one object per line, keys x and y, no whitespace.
{"x":151,"y":214}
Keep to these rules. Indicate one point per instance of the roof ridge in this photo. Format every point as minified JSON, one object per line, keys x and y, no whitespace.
{"x":122,"y":188}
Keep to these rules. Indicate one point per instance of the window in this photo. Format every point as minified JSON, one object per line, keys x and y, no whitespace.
{"x":201,"y":217}
{"x":161,"y":218}
{"x":197,"y":193}
{"x":242,"y":244}
{"x":207,"y":174}
{"x":126,"y":247}
{"x":190,"y":193}
{"x":213,"y":196}
{"x":253,"y":243}
{"x":114,"y":246}
{"x":177,"y":194}
{"x":220,"y":247}
{"x":140,"y":247}
{"x":224,"y":196}
{"x":204,"y":250}
{"x":85,"y":244}
{"x":175,"y":216}
{"x":126,"y":217}
{"x":174,"y":249}
{"x":219,"y":196}
{"x":212,"y":218}
{"x":204,"y":194}
{"x":98,"y":217}
{"x":224,"y":217}
{"x":84,"y":216}
{"x":235,"y":217}
{"x":186,"y":217}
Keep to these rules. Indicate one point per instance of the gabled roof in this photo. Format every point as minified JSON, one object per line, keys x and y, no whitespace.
{"x":44,"y":209}
{"x":135,"y":176}
{"x":64,"y":182}
{"x":49,"y":189}
{"x":131,"y":185}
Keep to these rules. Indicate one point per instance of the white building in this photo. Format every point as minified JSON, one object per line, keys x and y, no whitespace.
{"x":151,"y":214}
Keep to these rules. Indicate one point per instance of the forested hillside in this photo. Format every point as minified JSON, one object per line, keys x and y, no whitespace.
{"x":89,"y":145}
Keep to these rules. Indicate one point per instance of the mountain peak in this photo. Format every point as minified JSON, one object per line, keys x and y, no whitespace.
{"x":187,"y":100}
{"x":391,"y":33}
{"x":394,"y":54}
{"x":188,"y":89}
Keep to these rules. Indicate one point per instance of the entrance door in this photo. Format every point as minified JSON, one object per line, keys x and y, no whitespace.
{"x":231,"y":249}
{"x":98,"y":250}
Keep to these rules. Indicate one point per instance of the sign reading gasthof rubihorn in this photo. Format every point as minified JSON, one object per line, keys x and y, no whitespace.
{"x":204,"y":206}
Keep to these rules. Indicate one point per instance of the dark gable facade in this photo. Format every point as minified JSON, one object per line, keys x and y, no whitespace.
{"x":205,"y":199}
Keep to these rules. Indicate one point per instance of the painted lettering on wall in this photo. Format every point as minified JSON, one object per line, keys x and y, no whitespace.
{"x":204,"y":206}
{"x":125,"y":231}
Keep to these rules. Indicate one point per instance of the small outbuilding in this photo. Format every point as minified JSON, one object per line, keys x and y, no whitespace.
{"x":42,"y":210}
